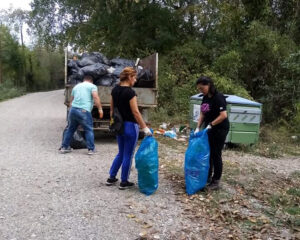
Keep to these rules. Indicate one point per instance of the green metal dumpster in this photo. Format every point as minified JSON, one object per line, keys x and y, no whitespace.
{"x":244,"y":118}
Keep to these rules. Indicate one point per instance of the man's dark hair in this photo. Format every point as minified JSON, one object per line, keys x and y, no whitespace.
{"x":89,"y":78}
{"x":204,"y":80}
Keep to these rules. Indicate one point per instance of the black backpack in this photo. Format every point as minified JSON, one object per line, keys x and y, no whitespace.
{"x":116,"y":123}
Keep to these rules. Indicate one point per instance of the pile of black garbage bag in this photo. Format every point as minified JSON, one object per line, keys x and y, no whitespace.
{"x":106,"y":72}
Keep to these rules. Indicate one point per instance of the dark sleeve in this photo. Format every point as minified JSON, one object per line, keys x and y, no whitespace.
{"x":221,"y":102}
{"x":130,"y":94}
{"x":112,"y":91}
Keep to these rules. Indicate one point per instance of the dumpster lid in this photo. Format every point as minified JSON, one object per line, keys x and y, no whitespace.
{"x":231,"y":99}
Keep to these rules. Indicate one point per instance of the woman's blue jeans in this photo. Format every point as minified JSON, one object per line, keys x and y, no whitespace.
{"x":127,"y":143}
{"x":78,"y":116}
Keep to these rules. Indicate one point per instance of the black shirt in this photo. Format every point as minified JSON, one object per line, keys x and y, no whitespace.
{"x":121,"y":96}
{"x":211,"y":108}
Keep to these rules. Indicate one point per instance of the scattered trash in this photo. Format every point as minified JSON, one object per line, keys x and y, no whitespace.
{"x":163,"y":126}
{"x":157,"y":132}
{"x":170,"y":134}
{"x":294,"y":137}
{"x":182,"y":129}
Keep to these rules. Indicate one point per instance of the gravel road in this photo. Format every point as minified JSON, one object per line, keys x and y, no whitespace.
{"x":47,"y":195}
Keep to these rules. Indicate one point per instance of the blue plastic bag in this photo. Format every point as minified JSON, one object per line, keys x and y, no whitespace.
{"x":196,"y":164}
{"x":146,"y":163}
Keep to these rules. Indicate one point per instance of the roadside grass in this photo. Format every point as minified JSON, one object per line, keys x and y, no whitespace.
{"x":160,"y":115}
{"x":8,"y":91}
{"x":274,"y":140}
{"x":253,"y":202}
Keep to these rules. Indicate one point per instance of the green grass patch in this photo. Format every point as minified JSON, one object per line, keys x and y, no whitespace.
{"x":295,"y":175}
{"x":8,"y":91}
{"x":294,"y":192}
{"x":293,"y":210}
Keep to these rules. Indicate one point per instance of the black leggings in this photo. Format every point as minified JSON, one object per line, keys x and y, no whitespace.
{"x":216,"y":139}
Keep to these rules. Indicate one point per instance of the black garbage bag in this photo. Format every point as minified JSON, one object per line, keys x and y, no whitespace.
{"x":122,"y":62}
{"x":145,"y":78}
{"x":73,"y":68}
{"x":115,"y":82}
{"x":96,"y":70}
{"x":101,"y":58}
{"x":73,"y":79}
{"x":76,"y":77}
{"x":118,"y":70}
{"x":88,"y":60}
{"x":92,"y":58}
{"x":78,"y":139}
{"x":105,"y":80}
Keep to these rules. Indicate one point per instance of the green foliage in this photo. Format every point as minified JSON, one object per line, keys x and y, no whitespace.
{"x":10,"y":58}
{"x":296,"y":120}
{"x":114,"y":27}
{"x":178,"y":73}
{"x":264,"y":51}
{"x":229,"y":65}
{"x":227,"y":85}
{"x":8,"y":90}
{"x":46,"y":69}
{"x":23,"y":69}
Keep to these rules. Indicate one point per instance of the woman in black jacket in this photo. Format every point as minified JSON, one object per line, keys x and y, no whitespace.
{"x":214,"y":117}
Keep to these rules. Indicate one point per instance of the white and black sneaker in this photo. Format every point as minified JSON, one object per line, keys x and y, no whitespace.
{"x":65,"y":150}
{"x":111,"y":181}
{"x":125,"y":185}
{"x":91,"y":152}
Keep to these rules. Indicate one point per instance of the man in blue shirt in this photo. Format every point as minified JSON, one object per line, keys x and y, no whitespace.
{"x":83,"y":97}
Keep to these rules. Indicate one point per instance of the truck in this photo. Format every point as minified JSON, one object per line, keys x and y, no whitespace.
{"x":147,"y":96}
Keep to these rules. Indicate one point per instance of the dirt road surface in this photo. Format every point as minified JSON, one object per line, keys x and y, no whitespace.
{"x":47,"y":195}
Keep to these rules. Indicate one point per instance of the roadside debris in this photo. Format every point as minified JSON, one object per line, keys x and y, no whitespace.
{"x":179,"y":133}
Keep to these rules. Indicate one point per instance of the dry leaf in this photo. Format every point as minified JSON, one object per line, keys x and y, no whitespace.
{"x":143,"y":234}
{"x":144,"y":211}
{"x":146,"y":225}
{"x":223,"y":200}
{"x":138,"y":220}
{"x":130,"y":215}
{"x":253,"y":220}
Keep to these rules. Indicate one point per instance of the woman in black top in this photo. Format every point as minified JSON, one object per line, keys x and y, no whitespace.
{"x":214,"y":117}
{"x":124,"y":98}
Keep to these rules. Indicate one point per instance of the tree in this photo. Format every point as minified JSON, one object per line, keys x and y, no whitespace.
{"x":108,"y":25}
{"x":10,"y":57}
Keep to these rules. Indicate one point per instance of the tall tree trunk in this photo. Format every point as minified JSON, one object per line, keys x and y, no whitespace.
{"x":23,"y":56}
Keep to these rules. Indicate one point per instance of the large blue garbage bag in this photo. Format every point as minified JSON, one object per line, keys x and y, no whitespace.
{"x":146,"y":163}
{"x":196,"y":165}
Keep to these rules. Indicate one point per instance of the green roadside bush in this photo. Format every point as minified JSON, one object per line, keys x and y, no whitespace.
{"x":8,"y":90}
